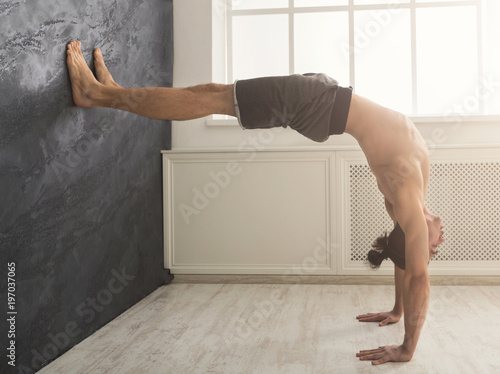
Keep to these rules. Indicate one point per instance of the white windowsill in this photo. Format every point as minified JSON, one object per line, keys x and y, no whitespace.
{"x":227,"y":121}
{"x":318,"y":148}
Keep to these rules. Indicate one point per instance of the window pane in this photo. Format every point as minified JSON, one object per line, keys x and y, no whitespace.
{"x":391,"y":5}
{"x":260,"y":46}
{"x":258,"y":4}
{"x":490,"y":81}
{"x":307,"y":3}
{"x":383,"y":58}
{"x":447,"y":71}
{"x":322,"y":44}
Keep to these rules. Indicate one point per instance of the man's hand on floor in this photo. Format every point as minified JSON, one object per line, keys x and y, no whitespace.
{"x":381,"y":355}
{"x":384,"y":318}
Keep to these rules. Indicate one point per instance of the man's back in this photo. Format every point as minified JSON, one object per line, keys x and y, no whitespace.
{"x":395,"y":150}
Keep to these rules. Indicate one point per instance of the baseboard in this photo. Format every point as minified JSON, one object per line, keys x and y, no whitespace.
{"x":437,"y":280}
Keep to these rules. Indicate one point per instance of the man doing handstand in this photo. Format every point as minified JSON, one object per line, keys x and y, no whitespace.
{"x":317,"y":107}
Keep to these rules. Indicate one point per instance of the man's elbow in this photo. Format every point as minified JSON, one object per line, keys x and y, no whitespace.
{"x":416,"y":270}
{"x":417,"y":280}
{"x":421,"y":274}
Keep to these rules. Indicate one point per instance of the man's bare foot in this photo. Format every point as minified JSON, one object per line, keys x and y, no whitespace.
{"x":83,"y":83}
{"x":103,"y":75}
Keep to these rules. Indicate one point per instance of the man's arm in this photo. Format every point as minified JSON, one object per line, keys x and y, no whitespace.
{"x":385,"y":318}
{"x":398,"y":282}
{"x":409,"y":213}
{"x":398,"y":273}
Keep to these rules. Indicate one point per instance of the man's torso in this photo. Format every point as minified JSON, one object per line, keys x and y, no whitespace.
{"x":395,"y":150}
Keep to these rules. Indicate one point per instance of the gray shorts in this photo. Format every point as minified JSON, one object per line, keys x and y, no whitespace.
{"x":312,"y":104}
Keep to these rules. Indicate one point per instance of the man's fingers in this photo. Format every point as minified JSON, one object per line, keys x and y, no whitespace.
{"x":378,"y":356}
{"x":368,"y":351}
{"x":366,"y":315}
{"x":384,"y":354}
{"x":365,"y":319}
{"x":370,"y":317}
{"x":382,"y":360}
{"x":373,"y":356}
{"x":384,"y":322}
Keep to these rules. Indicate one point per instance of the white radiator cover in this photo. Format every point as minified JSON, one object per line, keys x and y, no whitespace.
{"x":316,"y":212}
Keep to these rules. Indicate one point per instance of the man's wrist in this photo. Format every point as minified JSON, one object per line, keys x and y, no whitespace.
{"x":398,"y":310}
{"x":409,"y":345}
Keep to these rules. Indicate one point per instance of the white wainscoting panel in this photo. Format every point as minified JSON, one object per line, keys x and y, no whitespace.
{"x":318,"y":212}
{"x":463,"y":190}
{"x":249,"y":212}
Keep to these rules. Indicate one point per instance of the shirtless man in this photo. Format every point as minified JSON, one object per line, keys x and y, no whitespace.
{"x":396,"y":153}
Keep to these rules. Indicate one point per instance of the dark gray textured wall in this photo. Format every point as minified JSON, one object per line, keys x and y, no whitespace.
{"x":80,"y":189}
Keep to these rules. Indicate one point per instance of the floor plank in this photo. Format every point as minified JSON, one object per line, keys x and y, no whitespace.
{"x":287,"y":328}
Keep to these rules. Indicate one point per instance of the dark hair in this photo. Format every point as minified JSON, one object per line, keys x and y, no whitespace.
{"x":388,"y":246}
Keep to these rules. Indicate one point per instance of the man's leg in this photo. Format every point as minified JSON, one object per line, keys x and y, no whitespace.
{"x":153,"y":102}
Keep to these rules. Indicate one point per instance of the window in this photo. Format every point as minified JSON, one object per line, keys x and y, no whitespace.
{"x":420,"y":57}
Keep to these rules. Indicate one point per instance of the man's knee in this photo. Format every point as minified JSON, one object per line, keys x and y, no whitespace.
{"x":210,"y":88}
{"x":214,"y":98}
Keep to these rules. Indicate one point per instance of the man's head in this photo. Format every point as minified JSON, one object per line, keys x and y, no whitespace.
{"x":435,"y":227}
{"x":393,"y":245}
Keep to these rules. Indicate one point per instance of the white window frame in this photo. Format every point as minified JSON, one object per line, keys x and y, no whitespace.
{"x":223,"y":62}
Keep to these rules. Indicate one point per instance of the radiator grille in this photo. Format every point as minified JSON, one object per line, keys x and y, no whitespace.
{"x":465,"y":195}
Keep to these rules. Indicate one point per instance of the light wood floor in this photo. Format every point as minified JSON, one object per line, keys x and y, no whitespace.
{"x":284,"y":328}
